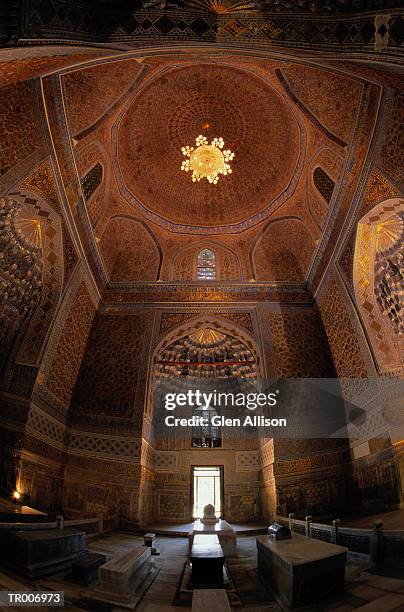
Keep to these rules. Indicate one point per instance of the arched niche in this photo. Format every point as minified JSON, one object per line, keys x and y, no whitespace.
{"x":211,"y":322}
{"x":167,"y":458}
{"x":31,"y":278}
{"x":35,"y":229}
{"x":379,"y":281}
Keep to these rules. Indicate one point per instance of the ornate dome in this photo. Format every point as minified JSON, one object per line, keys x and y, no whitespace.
{"x":170,"y":112}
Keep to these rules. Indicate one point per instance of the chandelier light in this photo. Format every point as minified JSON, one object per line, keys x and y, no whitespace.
{"x":207,"y":160}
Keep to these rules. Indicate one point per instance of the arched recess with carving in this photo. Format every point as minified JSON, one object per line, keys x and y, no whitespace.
{"x":129,"y":250}
{"x":34,"y":238}
{"x":379,"y":281}
{"x":185,"y":263}
{"x":212,"y":322}
{"x":283,"y":251}
{"x":161,"y":452}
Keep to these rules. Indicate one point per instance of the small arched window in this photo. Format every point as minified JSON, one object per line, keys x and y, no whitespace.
{"x":91,"y":180}
{"x":323,"y":183}
{"x":206,"y":265}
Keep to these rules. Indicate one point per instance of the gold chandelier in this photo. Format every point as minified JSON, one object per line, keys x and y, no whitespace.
{"x":207,"y":160}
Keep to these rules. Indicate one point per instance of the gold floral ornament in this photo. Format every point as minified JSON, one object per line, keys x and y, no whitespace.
{"x":207,"y":160}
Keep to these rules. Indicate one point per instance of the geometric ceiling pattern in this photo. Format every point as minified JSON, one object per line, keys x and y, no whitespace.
{"x":278,"y":115}
{"x":251,"y":117}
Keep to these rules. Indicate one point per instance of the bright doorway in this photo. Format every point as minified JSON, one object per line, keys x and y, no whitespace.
{"x":207,"y":483}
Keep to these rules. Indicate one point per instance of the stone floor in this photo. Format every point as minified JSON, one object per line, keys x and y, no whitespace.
{"x":365,"y":592}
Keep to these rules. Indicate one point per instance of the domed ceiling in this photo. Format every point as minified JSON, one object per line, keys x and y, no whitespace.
{"x":171,"y":110}
{"x":283,"y":119}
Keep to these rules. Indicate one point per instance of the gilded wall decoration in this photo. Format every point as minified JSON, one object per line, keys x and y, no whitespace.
{"x":41,"y":181}
{"x":348,"y":185}
{"x":21,"y":269}
{"x":169,"y":320}
{"x":378,"y":188}
{"x":70,"y":257}
{"x":61,"y":139}
{"x":296,"y":337}
{"x":326,"y":24}
{"x":35,"y":64}
{"x":49,"y":229}
{"x":144,"y":293}
{"x":378,"y":280}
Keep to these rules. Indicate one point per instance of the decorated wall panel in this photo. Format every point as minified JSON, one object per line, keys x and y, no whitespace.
{"x":107,"y":487}
{"x":115,"y":353}
{"x":85,"y":105}
{"x":129,"y":251}
{"x":297,"y":347}
{"x":392,"y":157}
{"x":20,"y":127}
{"x":299,"y":344}
{"x":283,"y":252}
{"x":327,"y":24}
{"x":21,"y":270}
{"x":346,"y":350}
{"x":65,"y":367}
{"x":333,"y":99}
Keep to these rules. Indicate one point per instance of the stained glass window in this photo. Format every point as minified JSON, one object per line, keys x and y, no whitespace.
{"x":323,"y":183}
{"x":206,"y":268}
{"x":91,"y":180}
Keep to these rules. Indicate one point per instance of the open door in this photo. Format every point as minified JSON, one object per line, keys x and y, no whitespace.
{"x":207,"y":486}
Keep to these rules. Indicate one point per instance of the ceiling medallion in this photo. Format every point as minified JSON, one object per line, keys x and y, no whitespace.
{"x":207,"y":160}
